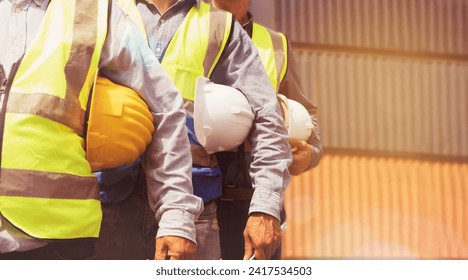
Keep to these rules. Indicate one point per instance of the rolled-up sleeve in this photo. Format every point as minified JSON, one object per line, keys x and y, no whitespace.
{"x":127,"y":60}
{"x":240,"y":67}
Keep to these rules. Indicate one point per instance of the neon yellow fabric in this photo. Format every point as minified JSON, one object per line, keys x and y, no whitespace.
{"x":185,"y":55}
{"x":85,"y":221}
{"x":262,"y":39}
{"x":54,"y":147}
{"x":47,"y":188}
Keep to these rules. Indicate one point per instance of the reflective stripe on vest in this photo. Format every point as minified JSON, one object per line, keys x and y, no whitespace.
{"x":46,"y":185}
{"x":273,"y":49}
{"x":196,"y":47}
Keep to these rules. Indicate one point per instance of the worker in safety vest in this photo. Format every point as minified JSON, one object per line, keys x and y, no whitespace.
{"x":277,"y":58}
{"x":49,"y":198}
{"x":193,"y":39}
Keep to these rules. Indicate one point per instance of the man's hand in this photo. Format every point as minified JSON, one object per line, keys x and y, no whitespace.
{"x":174,"y":248}
{"x":301,"y":154}
{"x":262,"y":236}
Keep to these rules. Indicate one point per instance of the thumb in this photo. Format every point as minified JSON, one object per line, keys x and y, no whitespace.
{"x":248,"y":247}
{"x":294,"y":142}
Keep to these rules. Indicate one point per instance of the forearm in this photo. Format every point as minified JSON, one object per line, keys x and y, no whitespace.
{"x":167,"y":164}
{"x":128,"y":61}
{"x":240,"y":67}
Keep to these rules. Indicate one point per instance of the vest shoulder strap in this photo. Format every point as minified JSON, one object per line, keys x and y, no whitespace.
{"x":273,"y":49}
{"x":196,"y":47}
{"x":221,"y":23}
{"x":280,"y":46}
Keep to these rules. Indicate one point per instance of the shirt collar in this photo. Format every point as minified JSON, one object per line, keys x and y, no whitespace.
{"x":250,"y":21}
{"x":248,"y":26}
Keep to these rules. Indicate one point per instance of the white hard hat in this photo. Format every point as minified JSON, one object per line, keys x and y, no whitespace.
{"x":222,"y":116}
{"x":296,"y":118}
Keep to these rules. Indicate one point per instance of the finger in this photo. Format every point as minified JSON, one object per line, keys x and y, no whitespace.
{"x":293,"y":142}
{"x":175,"y":252}
{"x":248,"y":247}
{"x":261,"y":255}
{"x":305,"y":145}
{"x":302,"y":146}
{"x":188,"y":254}
{"x":275,"y":247}
{"x":187,"y":250}
{"x":161,"y":250}
{"x":271,"y":250}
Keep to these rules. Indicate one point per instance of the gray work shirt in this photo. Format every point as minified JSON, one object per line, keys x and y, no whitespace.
{"x":240,"y":67}
{"x":126,"y":60}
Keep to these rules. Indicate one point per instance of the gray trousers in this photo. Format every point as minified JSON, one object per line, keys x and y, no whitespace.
{"x":128,"y":230}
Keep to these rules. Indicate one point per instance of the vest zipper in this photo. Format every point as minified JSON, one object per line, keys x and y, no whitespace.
{"x":4,"y":93}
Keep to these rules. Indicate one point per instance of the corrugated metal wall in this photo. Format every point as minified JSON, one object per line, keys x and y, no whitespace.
{"x":388,"y":104}
{"x":390,"y":77}
{"x":371,"y":207}
{"x":387,"y":75}
{"x":433,"y":26}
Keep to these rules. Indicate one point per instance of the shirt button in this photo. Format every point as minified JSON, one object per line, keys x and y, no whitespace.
{"x":162,"y":21}
{"x":18,"y":10}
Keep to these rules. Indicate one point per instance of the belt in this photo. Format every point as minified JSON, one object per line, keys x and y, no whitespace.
{"x":233,"y":193}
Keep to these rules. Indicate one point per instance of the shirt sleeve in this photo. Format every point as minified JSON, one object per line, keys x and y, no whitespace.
{"x":291,"y":87}
{"x":127,"y":60}
{"x":240,"y":67}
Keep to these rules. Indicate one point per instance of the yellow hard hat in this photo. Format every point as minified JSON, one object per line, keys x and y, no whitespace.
{"x":120,"y":126}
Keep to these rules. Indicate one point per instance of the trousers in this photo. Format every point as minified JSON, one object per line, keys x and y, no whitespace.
{"x":208,"y":243}
{"x":129,"y":229}
{"x":233,"y":217}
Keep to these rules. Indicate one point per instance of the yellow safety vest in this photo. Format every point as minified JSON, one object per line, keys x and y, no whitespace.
{"x":273,"y":50}
{"x":47,"y":188}
{"x":196,"y":47}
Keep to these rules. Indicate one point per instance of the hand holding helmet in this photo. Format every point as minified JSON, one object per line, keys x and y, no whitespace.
{"x":299,"y":125}
{"x":302,"y":156}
